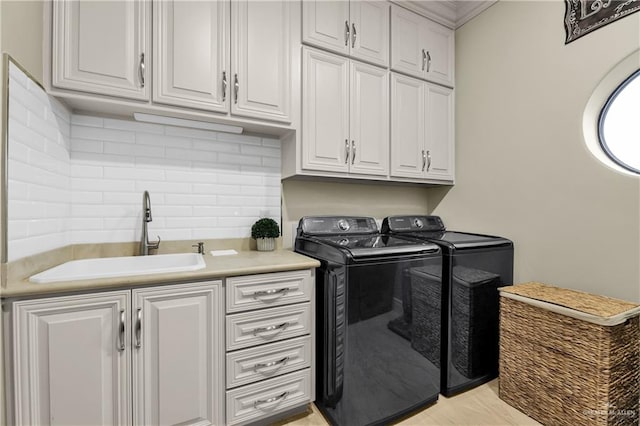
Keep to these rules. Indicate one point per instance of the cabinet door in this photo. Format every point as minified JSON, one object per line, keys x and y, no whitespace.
{"x":407,"y":127}
{"x":438,"y":43}
{"x":191,"y":54}
{"x":260,"y":57}
{"x":369,"y":120}
{"x":370,"y":31}
{"x":100,"y":47}
{"x":325,"y":111}
{"x":439,"y":132}
{"x":72,"y":360}
{"x":177,"y":355}
{"x":326,"y":24}
{"x":406,"y":42}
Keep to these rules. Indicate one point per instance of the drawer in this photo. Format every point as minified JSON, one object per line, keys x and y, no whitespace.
{"x":266,"y":290}
{"x":267,"y":325}
{"x":269,"y":397}
{"x":267,"y":361}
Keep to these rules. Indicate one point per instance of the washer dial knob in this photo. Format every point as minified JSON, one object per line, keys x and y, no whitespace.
{"x":418,"y":223}
{"x":343,"y":225}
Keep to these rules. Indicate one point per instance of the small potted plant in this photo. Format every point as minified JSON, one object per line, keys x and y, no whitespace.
{"x":265,"y":231}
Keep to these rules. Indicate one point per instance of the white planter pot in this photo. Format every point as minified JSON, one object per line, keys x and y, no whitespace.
{"x":266,"y":244}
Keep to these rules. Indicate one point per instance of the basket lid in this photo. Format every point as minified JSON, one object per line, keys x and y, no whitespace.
{"x":586,"y":306}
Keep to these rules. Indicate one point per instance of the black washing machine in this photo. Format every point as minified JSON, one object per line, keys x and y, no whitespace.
{"x":473,"y":267}
{"x":366,"y":374}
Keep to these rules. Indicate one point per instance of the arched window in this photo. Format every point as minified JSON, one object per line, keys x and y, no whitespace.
{"x":619,"y":124}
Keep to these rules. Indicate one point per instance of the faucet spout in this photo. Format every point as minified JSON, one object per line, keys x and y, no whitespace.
{"x":145,"y":245}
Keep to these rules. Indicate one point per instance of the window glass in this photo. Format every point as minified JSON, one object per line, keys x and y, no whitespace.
{"x":619,"y":124}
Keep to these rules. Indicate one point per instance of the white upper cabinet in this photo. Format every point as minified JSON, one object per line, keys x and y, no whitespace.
{"x":438,"y":44}
{"x":369,"y":120}
{"x":356,"y":28}
{"x":261,"y":59}
{"x":439,"y":130}
{"x":421,"y":48}
{"x":191,"y":54}
{"x":325,"y":111}
{"x":72,"y":363}
{"x":345,"y":115}
{"x":102,"y":47}
{"x":407,"y":126}
{"x":326,"y":24}
{"x":422,"y":144}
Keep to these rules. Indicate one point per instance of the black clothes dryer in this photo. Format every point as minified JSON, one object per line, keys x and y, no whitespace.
{"x":473,"y":267}
{"x":365,"y":373}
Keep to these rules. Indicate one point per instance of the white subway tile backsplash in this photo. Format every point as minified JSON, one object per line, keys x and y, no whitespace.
{"x":87,"y":120}
{"x":131,"y":173}
{"x":260,"y":151}
{"x":203,"y":188}
{"x":88,"y":146}
{"x":79,"y":178}
{"x":102,"y":185}
{"x":244,"y":139}
{"x":90,"y":197}
{"x":190,"y":133}
{"x":272,"y":143}
{"x":200,"y":145}
{"x":135,"y":126}
{"x":162,"y":140}
{"x":239,"y":159}
{"x":88,"y":171}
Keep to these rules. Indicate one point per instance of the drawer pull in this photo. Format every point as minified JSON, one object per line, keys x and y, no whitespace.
{"x":281,"y":291}
{"x":270,"y":328}
{"x":270,"y":364}
{"x":282,"y":396}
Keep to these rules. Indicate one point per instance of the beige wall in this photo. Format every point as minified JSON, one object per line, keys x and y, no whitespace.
{"x":22,"y":33}
{"x":522,"y":168}
{"x":307,"y":198}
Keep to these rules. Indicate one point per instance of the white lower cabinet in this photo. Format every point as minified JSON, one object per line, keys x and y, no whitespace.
{"x":270,"y":347}
{"x":156,"y":355}
{"x":72,"y":360}
{"x":177,"y":355}
{"x":92,"y":359}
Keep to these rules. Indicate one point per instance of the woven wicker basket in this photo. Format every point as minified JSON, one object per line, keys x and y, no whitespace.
{"x":569,"y":358}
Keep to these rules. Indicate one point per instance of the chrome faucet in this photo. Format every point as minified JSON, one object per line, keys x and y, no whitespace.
{"x":145,"y":245}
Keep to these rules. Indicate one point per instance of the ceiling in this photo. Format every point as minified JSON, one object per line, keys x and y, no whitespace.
{"x":452,"y":13}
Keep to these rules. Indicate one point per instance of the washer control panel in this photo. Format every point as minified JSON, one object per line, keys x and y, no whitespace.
{"x":412,"y":224}
{"x":342,"y":225}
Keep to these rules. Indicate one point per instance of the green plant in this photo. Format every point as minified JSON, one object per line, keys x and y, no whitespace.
{"x":265,"y":228}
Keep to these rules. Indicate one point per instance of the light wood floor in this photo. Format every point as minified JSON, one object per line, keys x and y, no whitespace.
{"x":479,"y":406}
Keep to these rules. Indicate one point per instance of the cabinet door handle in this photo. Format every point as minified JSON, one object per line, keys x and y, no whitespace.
{"x":121,"y":326}
{"x":353,"y":35}
{"x":270,"y":328}
{"x":283,"y":395}
{"x":346,"y":33}
{"x":346,"y":150}
{"x":270,"y":364}
{"x":141,"y":70}
{"x":236,"y":86}
{"x":224,"y":86}
{"x":139,"y":328}
{"x":424,"y":160}
{"x":428,"y":61}
{"x":353,"y":151}
{"x":424,"y":59}
{"x":271,"y":292}
{"x":428,"y":160}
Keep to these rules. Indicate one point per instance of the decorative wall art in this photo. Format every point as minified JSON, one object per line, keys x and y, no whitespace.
{"x":583,"y":16}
